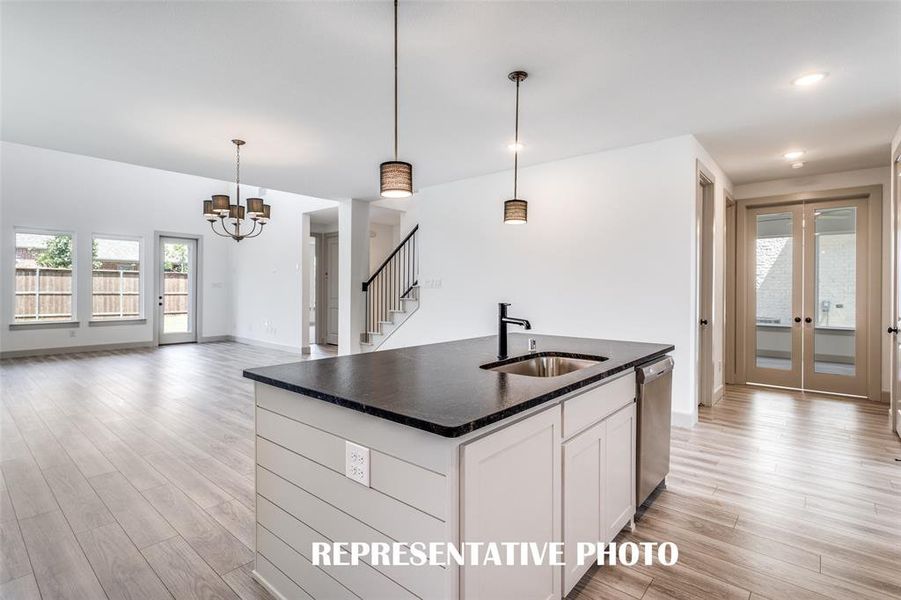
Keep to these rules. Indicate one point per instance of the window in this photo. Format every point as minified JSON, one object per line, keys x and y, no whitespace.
{"x":116,"y":279}
{"x":45,"y":272}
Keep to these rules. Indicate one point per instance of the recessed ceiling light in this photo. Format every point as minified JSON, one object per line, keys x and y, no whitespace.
{"x":809,"y":79}
{"x":793,"y":154}
{"x":515,"y":147}
{"x":797,"y":165}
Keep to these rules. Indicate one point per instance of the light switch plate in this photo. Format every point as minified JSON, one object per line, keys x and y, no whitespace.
{"x":356,"y":462}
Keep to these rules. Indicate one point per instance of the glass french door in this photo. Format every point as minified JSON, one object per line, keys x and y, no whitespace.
{"x":807,"y":297}
{"x":775,"y":295}
{"x":177,"y":290}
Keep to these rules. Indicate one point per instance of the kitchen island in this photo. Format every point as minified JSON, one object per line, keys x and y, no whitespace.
{"x":435,"y":444}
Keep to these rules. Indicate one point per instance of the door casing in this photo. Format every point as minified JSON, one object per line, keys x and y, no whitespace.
{"x":198,"y":283}
{"x":331,"y":278}
{"x":895,"y":395}
{"x":736,"y":293}
{"x":705,"y":224}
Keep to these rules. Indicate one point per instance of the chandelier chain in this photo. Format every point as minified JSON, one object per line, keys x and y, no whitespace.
{"x":238,"y":173}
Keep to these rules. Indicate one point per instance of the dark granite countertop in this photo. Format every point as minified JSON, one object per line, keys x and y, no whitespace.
{"x":440,"y":388}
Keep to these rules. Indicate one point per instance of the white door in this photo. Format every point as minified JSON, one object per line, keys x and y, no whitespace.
{"x":511,"y":493}
{"x":331,"y":280}
{"x":177,"y":301}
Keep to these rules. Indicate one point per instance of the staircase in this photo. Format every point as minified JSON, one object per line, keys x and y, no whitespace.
{"x":392,"y":293}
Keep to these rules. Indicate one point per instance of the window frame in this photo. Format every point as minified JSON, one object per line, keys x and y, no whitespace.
{"x":72,"y":321}
{"x":140,"y":318}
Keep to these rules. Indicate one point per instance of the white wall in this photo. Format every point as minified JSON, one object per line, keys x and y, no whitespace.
{"x":267,"y":274}
{"x":383,"y":239}
{"x":608,"y":252}
{"x":845,"y":179}
{"x":46,"y":189}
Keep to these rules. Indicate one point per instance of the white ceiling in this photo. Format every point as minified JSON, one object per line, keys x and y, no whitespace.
{"x":308,"y":85}
{"x":377,"y":214}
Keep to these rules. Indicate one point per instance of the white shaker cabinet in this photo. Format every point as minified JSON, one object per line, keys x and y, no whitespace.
{"x":511,"y":493}
{"x":584,"y":464}
{"x":619,"y":488}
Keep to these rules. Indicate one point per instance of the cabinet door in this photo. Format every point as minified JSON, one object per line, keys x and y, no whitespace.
{"x":511,"y":493}
{"x":584,"y":462}
{"x":619,"y":495}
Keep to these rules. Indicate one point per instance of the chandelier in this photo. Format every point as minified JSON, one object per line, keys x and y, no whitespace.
{"x":232,"y":217}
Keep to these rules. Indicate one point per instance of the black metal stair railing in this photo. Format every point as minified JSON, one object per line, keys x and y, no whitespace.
{"x":393,"y":281}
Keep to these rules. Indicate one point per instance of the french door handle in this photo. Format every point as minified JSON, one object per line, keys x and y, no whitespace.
{"x":704,"y":322}
{"x":797,"y":319}
{"x":892,"y":330}
{"x":807,"y":319}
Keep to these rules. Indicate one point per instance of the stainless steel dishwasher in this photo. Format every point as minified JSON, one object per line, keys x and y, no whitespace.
{"x":655,"y":388}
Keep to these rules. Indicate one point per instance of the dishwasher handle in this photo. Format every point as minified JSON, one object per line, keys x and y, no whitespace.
{"x":649,"y":372}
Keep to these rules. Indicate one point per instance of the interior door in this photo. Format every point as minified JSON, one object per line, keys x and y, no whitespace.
{"x":331,"y":280}
{"x":177,"y":301}
{"x":893,"y":328}
{"x":773,"y":337}
{"x":835,"y":296}
{"x":705,"y":236}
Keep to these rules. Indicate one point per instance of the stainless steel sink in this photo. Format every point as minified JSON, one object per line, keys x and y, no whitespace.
{"x":544,"y":364}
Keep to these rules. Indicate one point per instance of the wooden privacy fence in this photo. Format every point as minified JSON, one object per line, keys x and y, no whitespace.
{"x":46,"y":293}
{"x":115,"y":294}
{"x":43,"y":293}
{"x":175,"y":293}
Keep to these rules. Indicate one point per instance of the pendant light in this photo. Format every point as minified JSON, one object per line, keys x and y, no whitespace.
{"x":515,"y":209}
{"x":396,"y":176}
{"x":232,"y":216}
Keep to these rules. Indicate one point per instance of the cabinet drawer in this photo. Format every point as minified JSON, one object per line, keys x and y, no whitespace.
{"x":590,"y":407}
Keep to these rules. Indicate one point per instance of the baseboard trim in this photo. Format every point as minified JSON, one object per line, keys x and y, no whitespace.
{"x":210,"y":339}
{"x":885,"y":397}
{"x":262,"y":344}
{"x":684,"y":420}
{"x":75,"y":349}
{"x":718,"y":393}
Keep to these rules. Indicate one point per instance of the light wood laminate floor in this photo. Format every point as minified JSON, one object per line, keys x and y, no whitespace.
{"x":774,"y":494}
{"x":129,"y":475}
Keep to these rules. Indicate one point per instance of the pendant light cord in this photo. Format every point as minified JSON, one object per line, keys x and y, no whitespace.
{"x":516,"y":143}
{"x":395,"y":79}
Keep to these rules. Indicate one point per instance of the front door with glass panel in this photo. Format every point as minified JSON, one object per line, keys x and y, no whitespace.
{"x":177,"y":300}
{"x":808,"y":296}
